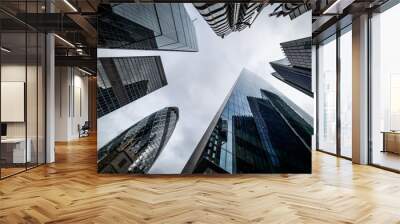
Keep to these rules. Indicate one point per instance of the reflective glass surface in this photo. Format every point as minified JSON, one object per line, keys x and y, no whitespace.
{"x":327,"y":96}
{"x":160,"y":26}
{"x":258,"y":131}
{"x":22,"y":78}
{"x":225,"y":18}
{"x":296,"y":77}
{"x":123,"y":80}
{"x":137,"y":148}
{"x":385,"y":89}
{"x":295,"y":69}
{"x":298,"y":52}
{"x":346,"y":94}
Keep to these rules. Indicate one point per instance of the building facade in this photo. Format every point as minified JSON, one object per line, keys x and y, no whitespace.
{"x":225,"y":18}
{"x":293,"y":10}
{"x":160,"y":26}
{"x":137,"y":148}
{"x":256,"y":130}
{"x":125,"y":79}
{"x":298,"y":52}
{"x":295,"y":69}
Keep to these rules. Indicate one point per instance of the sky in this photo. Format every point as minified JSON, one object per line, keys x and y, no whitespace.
{"x":198,"y":82}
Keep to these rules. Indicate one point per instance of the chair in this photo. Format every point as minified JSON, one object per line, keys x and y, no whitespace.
{"x":84,"y":130}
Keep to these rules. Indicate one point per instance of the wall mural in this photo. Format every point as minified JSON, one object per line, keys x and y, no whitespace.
{"x":194,"y":89}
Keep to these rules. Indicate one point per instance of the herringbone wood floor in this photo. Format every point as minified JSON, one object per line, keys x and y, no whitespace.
{"x":70,"y":191}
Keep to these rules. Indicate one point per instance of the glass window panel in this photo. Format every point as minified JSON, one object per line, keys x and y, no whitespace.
{"x":385,"y":89}
{"x":229,"y":162}
{"x":327,"y":96}
{"x":346,"y":94}
{"x":167,"y":24}
{"x":41,"y":99}
{"x":222,"y":159}
{"x":31,"y":98}
{"x":22,"y":83}
{"x":13,"y":84}
{"x":229,"y":141}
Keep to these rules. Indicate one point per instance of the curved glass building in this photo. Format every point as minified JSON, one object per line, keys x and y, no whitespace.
{"x":136,"y":149}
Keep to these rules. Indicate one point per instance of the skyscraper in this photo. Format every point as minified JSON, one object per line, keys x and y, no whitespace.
{"x":298,"y":52}
{"x":125,"y":79}
{"x":295,"y":69}
{"x":155,"y":26}
{"x":225,"y":18}
{"x":256,"y":130}
{"x":293,"y":10}
{"x":137,"y":148}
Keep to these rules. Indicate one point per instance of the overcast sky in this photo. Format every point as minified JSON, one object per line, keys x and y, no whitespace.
{"x":199,"y":81}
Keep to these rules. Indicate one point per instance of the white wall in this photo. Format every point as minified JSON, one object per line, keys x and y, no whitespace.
{"x":80,"y":110}
{"x":33,"y":125}
{"x":61,"y":103}
{"x":16,"y":73}
{"x":71,"y":102}
{"x":13,"y":100}
{"x":10,"y":73}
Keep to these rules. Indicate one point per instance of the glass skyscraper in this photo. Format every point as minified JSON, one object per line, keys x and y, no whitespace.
{"x":225,"y":18}
{"x":298,"y":52}
{"x":156,"y":26}
{"x":293,"y":10}
{"x":295,"y":69}
{"x":137,"y":148}
{"x":122,"y":80}
{"x":256,"y":130}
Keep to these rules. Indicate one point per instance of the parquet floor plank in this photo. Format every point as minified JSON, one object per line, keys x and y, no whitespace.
{"x":70,"y":191}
